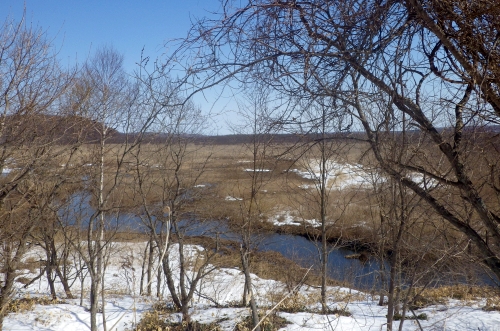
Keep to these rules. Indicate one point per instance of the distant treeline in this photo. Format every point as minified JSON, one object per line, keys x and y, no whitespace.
{"x":72,"y":129}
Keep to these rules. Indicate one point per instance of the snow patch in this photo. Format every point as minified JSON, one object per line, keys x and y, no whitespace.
{"x":424,"y":182}
{"x":338,"y":175}
{"x":124,"y":310}
{"x":224,"y":286}
{"x":230,"y":198}
{"x":286,"y":218}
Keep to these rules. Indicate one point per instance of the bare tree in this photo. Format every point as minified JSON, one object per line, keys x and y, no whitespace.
{"x":166,"y":173}
{"x":248,"y":216}
{"x":434,"y":61}
{"x":104,"y":94}
{"x":322,"y":158}
{"x":176,"y":195}
{"x":31,"y":87}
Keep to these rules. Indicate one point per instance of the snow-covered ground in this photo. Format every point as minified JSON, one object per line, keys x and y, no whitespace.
{"x":343,"y":175}
{"x":230,"y":198}
{"x":287,"y":218}
{"x":125,"y":307}
{"x":339,"y":175}
{"x":256,"y":170}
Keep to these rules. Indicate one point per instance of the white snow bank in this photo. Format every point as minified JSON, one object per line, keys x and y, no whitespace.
{"x":230,"y":198}
{"x":122,"y":313}
{"x":125,"y":307}
{"x":287,"y":218}
{"x":338,"y":175}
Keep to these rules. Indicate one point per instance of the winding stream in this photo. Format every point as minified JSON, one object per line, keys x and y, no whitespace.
{"x":294,"y":247}
{"x":357,"y":273}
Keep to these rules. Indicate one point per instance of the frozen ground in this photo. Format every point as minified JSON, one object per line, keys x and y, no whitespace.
{"x":343,"y":175}
{"x":230,"y":198}
{"x":286,"y":218}
{"x":125,"y":307}
{"x":339,"y":175}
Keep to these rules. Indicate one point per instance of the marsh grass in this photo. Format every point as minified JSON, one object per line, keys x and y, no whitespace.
{"x":28,"y":303}
{"x":492,"y":304}
{"x":421,"y":298}
{"x":223,"y":175}
{"x":221,"y":170}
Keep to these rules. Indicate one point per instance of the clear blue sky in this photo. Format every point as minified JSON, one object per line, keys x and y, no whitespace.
{"x":78,"y":27}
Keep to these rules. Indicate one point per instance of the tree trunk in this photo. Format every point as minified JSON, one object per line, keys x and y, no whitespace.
{"x":245,"y":300}
{"x":94,"y":303}
{"x":398,"y":200}
{"x":103,"y":296}
{"x":390,"y":295}
{"x":158,"y":283}
{"x":50,"y":280}
{"x":170,"y":282}
{"x":143,"y":271}
{"x":323,"y":212}
{"x":49,"y":253}
{"x":324,"y":270}
{"x":248,"y":282}
{"x":82,"y":283}
{"x":185,"y":313}
{"x":150,"y":268}
{"x":382,"y":282}
{"x":64,"y":283}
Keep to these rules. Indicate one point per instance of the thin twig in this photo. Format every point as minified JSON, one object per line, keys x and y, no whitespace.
{"x":159,"y":264}
{"x":295,"y":289}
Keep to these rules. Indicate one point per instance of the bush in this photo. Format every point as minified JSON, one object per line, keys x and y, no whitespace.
{"x":156,"y":320}
{"x":293,"y":304}
{"x":272,"y":322}
{"x":492,"y":304}
{"x":163,"y":307}
{"x":152,"y":321}
{"x":27,"y":303}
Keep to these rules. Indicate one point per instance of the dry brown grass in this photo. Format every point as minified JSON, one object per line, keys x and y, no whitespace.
{"x":353,"y":212}
{"x":272,"y":322}
{"x":459,"y":292}
{"x":28,"y":303}
{"x":223,"y":171}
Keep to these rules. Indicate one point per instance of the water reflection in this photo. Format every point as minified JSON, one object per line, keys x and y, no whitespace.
{"x":360,"y":274}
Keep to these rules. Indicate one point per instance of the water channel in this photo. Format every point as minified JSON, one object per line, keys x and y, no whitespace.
{"x":359,"y":274}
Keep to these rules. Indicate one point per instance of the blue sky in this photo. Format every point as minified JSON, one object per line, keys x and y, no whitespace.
{"x":78,"y":27}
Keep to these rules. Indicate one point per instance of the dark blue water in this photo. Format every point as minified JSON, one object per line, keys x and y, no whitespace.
{"x":360,"y":274}
{"x":78,"y":210}
{"x":307,"y":252}
{"x":297,"y":248}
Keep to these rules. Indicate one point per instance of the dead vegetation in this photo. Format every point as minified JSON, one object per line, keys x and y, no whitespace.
{"x":28,"y":303}
{"x":223,"y":180}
